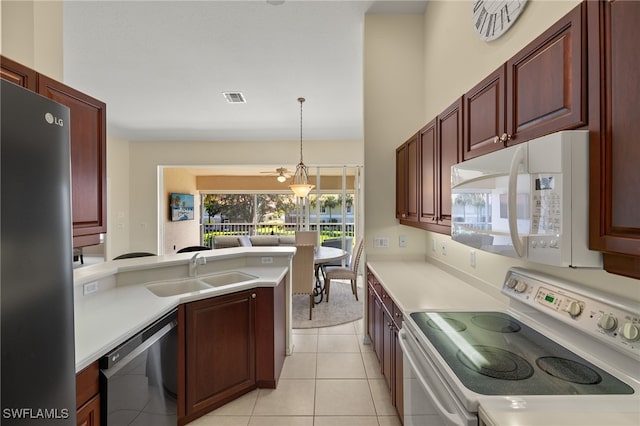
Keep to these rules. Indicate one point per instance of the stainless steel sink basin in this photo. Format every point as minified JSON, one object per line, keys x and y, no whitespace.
{"x":226,"y":278}
{"x":173,"y":288}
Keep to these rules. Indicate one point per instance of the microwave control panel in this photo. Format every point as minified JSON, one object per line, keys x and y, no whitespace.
{"x":546,"y":214}
{"x":545,"y":240}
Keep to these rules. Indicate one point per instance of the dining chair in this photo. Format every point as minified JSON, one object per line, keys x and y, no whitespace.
{"x":337,"y":243}
{"x":342,"y":273}
{"x":303,"y":273}
{"x":307,"y":238}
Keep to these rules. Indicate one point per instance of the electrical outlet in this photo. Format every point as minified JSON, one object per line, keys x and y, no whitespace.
{"x":433,"y":244}
{"x":472,"y":258}
{"x":444,"y":248}
{"x":267,"y":260}
{"x":89,"y":288}
{"x":402,"y":241}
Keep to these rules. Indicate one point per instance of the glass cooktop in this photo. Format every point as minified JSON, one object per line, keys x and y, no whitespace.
{"x":493,"y":353}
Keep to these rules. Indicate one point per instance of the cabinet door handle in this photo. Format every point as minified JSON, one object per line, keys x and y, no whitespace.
{"x":253,"y":295}
{"x":503,"y":138}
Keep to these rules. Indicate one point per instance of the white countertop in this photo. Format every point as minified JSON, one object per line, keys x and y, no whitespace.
{"x":105,"y":319}
{"x":418,"y":285}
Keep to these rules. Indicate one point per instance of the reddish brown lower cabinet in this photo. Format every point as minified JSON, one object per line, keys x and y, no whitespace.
{"x":88,"y":396}
{"x":229,"y":345}
{"x":614,"y":101}
{"x":385,"y":320}
{"x":271,"y":330}
{"x":220,"y":350}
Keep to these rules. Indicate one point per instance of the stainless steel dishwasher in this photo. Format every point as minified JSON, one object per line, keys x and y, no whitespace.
{"x":138,"y":379}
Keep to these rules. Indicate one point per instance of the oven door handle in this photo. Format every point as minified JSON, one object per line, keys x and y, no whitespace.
{"x":452,"y":417}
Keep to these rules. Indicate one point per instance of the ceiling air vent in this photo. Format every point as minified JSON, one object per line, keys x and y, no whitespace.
{"x":234,"y":97}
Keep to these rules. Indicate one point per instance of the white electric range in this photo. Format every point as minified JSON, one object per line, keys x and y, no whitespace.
{"x":557,"y":348}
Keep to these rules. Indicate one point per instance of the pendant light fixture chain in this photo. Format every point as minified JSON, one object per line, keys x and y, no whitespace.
{"x":301,"y":186}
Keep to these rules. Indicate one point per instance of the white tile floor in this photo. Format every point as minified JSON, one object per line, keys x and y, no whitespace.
{"x":331,"y":379}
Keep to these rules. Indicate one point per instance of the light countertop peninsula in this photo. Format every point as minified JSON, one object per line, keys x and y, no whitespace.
{"x":122,"y":306}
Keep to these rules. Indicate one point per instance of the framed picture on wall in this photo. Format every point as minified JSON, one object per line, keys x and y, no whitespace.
{"x":181,"y":207}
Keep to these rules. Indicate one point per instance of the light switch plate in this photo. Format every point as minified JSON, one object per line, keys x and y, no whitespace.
{"x":381,"y":242}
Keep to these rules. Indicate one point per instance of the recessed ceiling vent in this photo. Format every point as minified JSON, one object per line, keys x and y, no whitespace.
{"x":234,"y":97}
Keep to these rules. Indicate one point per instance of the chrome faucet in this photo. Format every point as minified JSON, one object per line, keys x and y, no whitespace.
{"x":194,"y":262}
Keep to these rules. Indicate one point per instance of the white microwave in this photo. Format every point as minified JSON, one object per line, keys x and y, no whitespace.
{"x":528,"y":201}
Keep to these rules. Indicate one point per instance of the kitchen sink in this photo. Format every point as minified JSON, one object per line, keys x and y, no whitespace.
{"x":173,"y":288}
{"x":226,"y":278}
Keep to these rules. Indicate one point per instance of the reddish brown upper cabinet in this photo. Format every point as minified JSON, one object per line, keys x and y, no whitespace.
{"x":407,"y":160}
{"x":614,"y":102}
{"x":437,"y":148}
{"x":18,"y":74}
{"x":546,"y":81}
{"x":88,"y":159}
{"x":484,"y":115}
{"x":449,"y":133}
{"x":428,"y":173}
{"x":401,"y":182}
{"x":439,"y":145}
{"x":88,"y":149}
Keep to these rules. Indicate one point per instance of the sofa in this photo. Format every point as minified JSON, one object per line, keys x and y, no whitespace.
{"x":225,"y":241}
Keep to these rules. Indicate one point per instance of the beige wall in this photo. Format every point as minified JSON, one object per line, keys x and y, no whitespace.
{"x":454,"y":61}
{"x":118,"y":216}
{"x":32,"y":35}
{"x":393,"y":111}
{"x":182,"y":233}
{"x":266,"y":183}
{"x":148,"y":158}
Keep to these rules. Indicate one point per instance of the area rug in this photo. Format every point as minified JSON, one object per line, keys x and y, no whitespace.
{"x":341,"y":308}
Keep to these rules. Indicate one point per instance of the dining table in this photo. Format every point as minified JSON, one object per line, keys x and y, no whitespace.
{"x":321,"y":256}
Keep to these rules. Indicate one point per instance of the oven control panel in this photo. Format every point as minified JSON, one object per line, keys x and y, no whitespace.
{"x":605,"y":317}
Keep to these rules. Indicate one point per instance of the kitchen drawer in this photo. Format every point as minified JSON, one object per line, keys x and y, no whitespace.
{"x":375,"y":284}
{"x":87,"y":384}
{"x":397,"y":316}
{"x":386,"y":300}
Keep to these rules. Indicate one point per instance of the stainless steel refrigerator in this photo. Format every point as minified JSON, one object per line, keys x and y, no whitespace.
{"x":36,"y":280}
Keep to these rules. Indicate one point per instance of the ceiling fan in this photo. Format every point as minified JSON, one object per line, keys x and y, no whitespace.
{"x":281,"y":172}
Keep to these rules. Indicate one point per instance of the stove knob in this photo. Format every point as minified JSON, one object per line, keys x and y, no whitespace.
{"x":608,"y":322}
{"x":630,"y":332}
{"x":520,"y":286}
{"x":574,"y":309}
{"x":511,"y":283}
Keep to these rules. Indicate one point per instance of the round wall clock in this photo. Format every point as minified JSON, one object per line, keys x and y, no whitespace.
{"x":492,"y":18}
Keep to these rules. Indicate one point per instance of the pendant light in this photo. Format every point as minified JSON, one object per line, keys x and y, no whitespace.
{"x":300,"y":185}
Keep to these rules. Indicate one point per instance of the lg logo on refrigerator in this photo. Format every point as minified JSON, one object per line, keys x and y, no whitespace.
{"x":49,"y":118}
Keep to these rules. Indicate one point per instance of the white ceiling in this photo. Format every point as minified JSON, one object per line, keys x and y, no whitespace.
{"x":162,"y":66}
